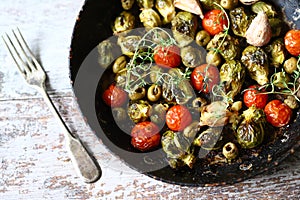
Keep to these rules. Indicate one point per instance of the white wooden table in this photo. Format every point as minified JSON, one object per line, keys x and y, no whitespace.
{"x":34,"y":163}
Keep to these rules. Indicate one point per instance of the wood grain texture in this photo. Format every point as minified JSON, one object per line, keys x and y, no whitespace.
{"x":34,"y":163}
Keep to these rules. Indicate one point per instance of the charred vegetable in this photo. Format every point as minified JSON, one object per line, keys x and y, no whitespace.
{"x":276,"y":26}
{"x":210,"y":139}
{"x":124,"y":22}
{"x":227,"y":45}
{"x":277,"y":52}
{"x":232,"y":75}
{"x":166,"y":9}
{"x":139,"y":111}
{"x":214,"y":114}
{"x":128,"y":44}
{"x":184,"y":27}
{"x":261,"y":6}
{"x":240,"y":21}
{"x":145,"y":3}
{"x":127,"y":4}
{"x":251,"y":130}
{"x":150,"y":18}
{"x":256,"y":61}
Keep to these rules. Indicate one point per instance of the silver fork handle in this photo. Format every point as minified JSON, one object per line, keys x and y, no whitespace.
{"x":84,"y":164}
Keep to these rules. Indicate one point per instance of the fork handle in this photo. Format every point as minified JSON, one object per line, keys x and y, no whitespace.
{"x":84,"y":164}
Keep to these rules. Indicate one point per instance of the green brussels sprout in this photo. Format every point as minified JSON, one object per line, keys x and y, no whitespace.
{"x":184,"y":26}
{"x":124,"y":22}
{"x":105,"y":51}
{"x":210,"y":4}
{"x":127,"y":4}
{"x":277,"y":53}
{"x":178,"y":148}
{"x":240,"y":21}
{"x":256,"y":61}
{"x":139,"y":111}
{"x":290,"y":65}
{"x":280,"y":79}
{"x":210,"y":139}
{"x":276,"y":26}
{"x":191,"y":57}
{"x":166,"y":9}
{"x":150,"y":18}
{"x":228,"y":47}
{"x":261,"y":6}
{"x":145,"y":3}
{"x":232,"y":75}
{"x":250,"y":132}
{"x":128,"y":44}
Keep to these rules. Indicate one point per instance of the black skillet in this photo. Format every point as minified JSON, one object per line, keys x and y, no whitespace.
{"x":88,"y":79}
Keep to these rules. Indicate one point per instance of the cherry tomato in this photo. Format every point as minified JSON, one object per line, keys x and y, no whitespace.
{"x":114,"y":96}
{"x":278,"y":113}
{"x":145,"y":136}
{"x":214,"y":21}
{"x":253,"y":97}
{"x":292,"y":42}
{"x":168,"y":56}
{"x":204,"y":77}
{"x":178,"y":118}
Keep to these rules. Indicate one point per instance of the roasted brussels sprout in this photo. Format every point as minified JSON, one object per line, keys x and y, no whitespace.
{"x":261,"y":6}
{"x":280,"y":80}
{"x":213,"y":58}
{"x":178,"y":148}
{"x":184,"y":26}
{"x":290,"y":65}
{"x":137,"y":94}
{"x":191,"y":130}
{"x":127,"y":4}
{"x":128,"y":44}
{"x":276,"y":26}
{"x":105,"y":51}
{"x":124,"y":22}
{"x":183,"y":92}
{"x":166,"y":9}
{"x":277,"y":53}
{"x":228,"y":47}
{"x":158,"y":113}
{"x":210,"y":139}
{"x":214,"y":114}
{"x":139,"y":111}
{"x":291,"y":102}
{"x":229,"y":4}
{"x":202,"y":38}
{"x":191,"y":57}
{"x":145,"y":3}
{"x":150,"y":18}
{"x":230,"y":151}
{"x":232,"y":75}
{"x":256,"y":61}
{"x":250,"y":133}
{"x":154,"y":93}
{"x":240,"y":21}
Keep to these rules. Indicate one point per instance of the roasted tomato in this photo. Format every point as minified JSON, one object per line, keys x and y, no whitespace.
{"x":214,"y":21}
{"x":145,"y":136}
{"x":114,"y":96}
{"x":204,"y":77}
{"x":292,"y":42}
{"x":278,"y":113}
{"x":168,"y":56}
{"x":253,"y":97}
{"x":178,"y":118}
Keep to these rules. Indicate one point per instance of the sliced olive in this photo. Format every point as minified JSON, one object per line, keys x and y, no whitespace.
{"x":202,"y":38}
{"x":137,"y":94}
{"x":230,"y":151}
{"x":154,"y":93}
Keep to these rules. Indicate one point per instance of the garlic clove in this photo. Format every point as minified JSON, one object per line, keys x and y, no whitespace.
{"x":192,"y":6}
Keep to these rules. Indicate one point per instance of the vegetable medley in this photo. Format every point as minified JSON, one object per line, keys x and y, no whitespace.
{"x":204,"y":75}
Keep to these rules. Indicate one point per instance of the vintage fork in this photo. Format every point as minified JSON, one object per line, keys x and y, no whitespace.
{"x":85,"y":165}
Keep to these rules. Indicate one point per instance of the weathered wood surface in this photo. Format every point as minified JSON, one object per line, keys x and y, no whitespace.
{"x":34,"y":163}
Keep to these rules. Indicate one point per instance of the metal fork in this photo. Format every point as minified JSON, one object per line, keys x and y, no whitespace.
{"x":85,"y":165}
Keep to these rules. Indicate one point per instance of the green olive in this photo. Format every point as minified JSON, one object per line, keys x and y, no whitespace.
{"x":119,"y":114}
{"x":127,"y":4}
{"x":119,"y":64}
{"x":154,"y":93}
{"x":158,"y":113}
{"x":230,"y":151}
{"x":229,"y":4}
{"x":198,"y":103}
{"x":137,"y":94}
{"x":202,"y":38}
{"x":290,"y":65}
{"x":213,"y":58}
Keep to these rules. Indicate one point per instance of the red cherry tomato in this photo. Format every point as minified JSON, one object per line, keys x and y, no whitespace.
{"x":292,"y":42}
{"x":214,"y":21}
{"x":178,"y":118}
{"x":114,"y":96}
{"x":168,"y":56}
{"x":204,"y":77}
{"x":253,"y":97}
{"x":145,"y":136}
{"x":278,"y":113}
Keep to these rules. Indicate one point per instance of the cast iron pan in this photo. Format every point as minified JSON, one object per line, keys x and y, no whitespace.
{"x":89,"y":80}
